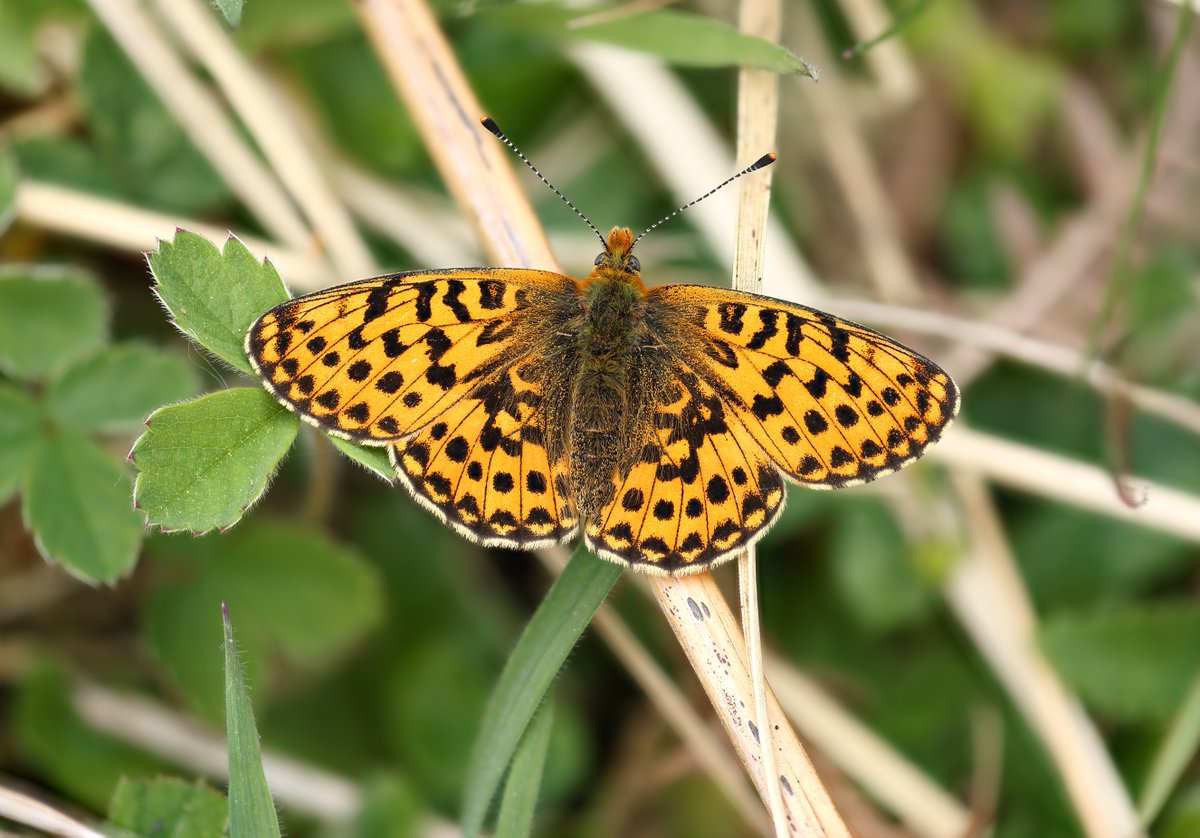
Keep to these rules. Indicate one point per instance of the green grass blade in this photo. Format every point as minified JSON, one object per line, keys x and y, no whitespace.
{"x":525,"y":777}
{"x":251,"y":810}
{"x":1176,"y":752}
{"x":539,"y":654}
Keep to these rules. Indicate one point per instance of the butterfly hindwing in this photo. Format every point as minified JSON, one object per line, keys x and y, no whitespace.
{"x":374,"y":361}
{"x":830,"y":402}
{"x":700,"y":489}
{"x":483,"y":467}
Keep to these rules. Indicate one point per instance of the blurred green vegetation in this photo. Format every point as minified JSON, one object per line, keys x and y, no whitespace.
{"x":371,"y":637}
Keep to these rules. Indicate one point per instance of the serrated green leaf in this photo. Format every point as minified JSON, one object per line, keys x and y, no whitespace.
{"x":525,"y":777}
{"x":677,"y":37}
{"x":251,"y":810}
{"x":167,"y":807}
{"x":9,"y":175}
{"x":1135,"y":663}
{"x":232,"y":10}
{"x":374,"y":460}
{"x":143,"y":147}
{"x":49,"y":318}
{"x":203,"y":462}
{"x":20,"y":428}
{"x":117,"y":389}
{"x":543,"y":648}
{"x":301,"y":598}
{"x":77,"y":504}
{"x":215,"y":295}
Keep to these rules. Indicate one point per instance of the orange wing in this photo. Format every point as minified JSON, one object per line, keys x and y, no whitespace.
{"x":373,"y":361}
{"x":701,"y":490}
{"x":483,"y":467}
{"x":830,"y":402}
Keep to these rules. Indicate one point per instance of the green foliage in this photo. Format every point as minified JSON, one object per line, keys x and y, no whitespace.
{"x":168,"y":808}
{"x":49,"y":735}
{"x":20,"y":428}
{"x":676,"y":37}
{"x":49,"y":318}
{"x":9,"y":175}
{"x":214,"y":296}
{"x":202,"y":463}
{"x":141,"y":147}
{"x":300,"y":600}
{"x":22,"y":72}
{"x":1134,"y":663}
{"x":77,"y":507}
{"x":525,"y":777}
{"x":251,"y":810}
{"x":231,"y":9}
{"x":547,"y":640}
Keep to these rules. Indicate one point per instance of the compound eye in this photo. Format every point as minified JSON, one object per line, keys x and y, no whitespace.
{"x":635,"y":265}
{"x":599,"y":259}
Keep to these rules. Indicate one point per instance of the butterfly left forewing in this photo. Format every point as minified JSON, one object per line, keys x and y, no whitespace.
{"x":375,"y":360}
{"x":830,"y":402}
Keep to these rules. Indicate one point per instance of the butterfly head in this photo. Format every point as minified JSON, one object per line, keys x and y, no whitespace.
{"x":618,"y":253}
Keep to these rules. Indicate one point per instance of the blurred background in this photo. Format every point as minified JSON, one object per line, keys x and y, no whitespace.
{"x":1013,"y":188}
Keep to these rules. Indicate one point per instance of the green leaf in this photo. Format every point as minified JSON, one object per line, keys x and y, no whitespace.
{"x":215,"y":295}
{"x":301,"y":599}
{"x":1135,"y":663}
{"x":543,"y":648}
{"x":49,"y":318}
{"x":77,"y":505}
{"x":251,"y":810}
{"x":675,"y":36}
{"x":167,"y":807}
{"x":872,"y":570}
{"x":140,"y":143}
{"x":374,"y":460}
{"x":525,"y":777}
{"x":203,"y":462}
{"x":68,"y":754}
{"x":117,"y":389}
{"x":9,"y":175}
{"x":1175,"y":753}
{"x":20,"y":428}
{"x":232,"y":10}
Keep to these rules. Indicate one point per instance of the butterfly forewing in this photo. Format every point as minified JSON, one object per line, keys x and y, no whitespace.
{"x":830,"y":402}
{"x":376,"y":360}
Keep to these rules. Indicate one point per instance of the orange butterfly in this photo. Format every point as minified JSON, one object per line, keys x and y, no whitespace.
{"x":518,"y":404}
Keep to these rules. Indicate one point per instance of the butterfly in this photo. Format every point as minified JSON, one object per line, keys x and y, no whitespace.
{"x":521,"y":406}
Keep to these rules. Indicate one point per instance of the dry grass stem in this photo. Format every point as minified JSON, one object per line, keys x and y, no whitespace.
{"x":205,"y":121}
{"x":684,"y":148}
{"x":758,"y":115}
{"x":28,"y":811}
{"x":850,"y":160}
{"x":1067,"y":480}
{"x":988,"y":595}
{"x":114,"y":224}
{"x":260,"y":110}
{"x":889,"y":61}
{"x":886,"y":774}
{"x":156,"y":730}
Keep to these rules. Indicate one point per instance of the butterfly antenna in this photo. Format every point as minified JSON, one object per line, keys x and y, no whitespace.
{"x":491,"y":125}
{"x":760,"y":163}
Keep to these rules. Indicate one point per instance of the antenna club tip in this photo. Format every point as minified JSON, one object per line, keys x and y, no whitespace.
{"x":490,"y":124}
{"x":764,"y":161}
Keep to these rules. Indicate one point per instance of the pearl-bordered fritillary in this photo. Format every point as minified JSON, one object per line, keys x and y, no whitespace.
{"x":520,"y":406}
